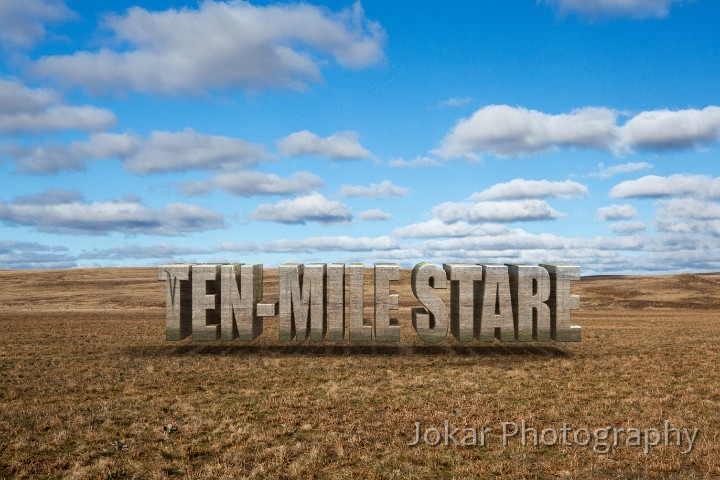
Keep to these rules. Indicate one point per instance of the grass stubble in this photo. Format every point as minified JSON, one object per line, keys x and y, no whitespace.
{"x":90,"y":389}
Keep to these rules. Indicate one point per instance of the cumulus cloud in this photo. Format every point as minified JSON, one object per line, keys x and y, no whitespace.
{"x":477,"y":218}
{"x":414,"y":163}
{"x":61,"y":212}
{"x":54,"y":157}
{"x":31,"y":255}
{"x":667,"y":129}
{"x":521,"y":189}
{"x":179,"y":51}
{"x":374,"y":215}
{"x":178,"y":151}
{"x":654,"y":186}
{"x":340,"y":146}
{"x":688,"y":216}
{"x":250,"y":183}
{"x":690,"y":208}
{"x":612,"y":170}
{"x":636,"y":9}
{"x":505,"y":211}
{"x":519,"y":246}
{"x":314,"y":244}
{"x":508,"y":131}
{"x":18,"y":98}
{"x":514,"y":131}
{"x":49,"y":197}
{"x":521,"y":240}
{"x":36,"y":110}
{"x":40,"y":159}
{"x":384,"y":189}
{"x":437,"y":228}
{"x":313,"y":207}
{"x":616,"y":212}
{"x":628,"y":252}
{"x":664,"y":253}
{"x":627,"y":228}
{"x":22,"y":22}
{"x":160,"y":152}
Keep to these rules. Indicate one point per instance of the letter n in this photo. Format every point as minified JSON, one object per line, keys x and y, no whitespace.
{"x":241,"y":290}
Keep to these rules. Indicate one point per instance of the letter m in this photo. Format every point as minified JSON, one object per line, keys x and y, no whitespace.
{"x":302,"y":302}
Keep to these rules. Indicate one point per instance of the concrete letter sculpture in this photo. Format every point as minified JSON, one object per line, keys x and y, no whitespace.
{"x":507,"y":303}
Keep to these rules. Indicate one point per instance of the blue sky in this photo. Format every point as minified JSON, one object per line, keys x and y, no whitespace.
{"x":565,"y":131}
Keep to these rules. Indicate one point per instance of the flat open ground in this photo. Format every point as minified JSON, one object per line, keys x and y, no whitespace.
{"x":84,"y":363}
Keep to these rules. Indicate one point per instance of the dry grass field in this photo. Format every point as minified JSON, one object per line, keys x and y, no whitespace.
{"x":90,"y":389}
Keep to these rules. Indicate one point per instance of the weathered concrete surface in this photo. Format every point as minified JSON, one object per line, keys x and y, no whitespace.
{"x":561,"y":302}
{"x":530,"y":288}
{"x":302,"y":302}
{"x":431,"y":322}
{"x":241,"y":289}
{"x":360,"y":328}
{"x":178,"y":300}
{"x":465,"y":288}
{"x":387,"y":329}
{"x":335,"y":302}
{"x":206,"y":302}
{"x":496,"y":319}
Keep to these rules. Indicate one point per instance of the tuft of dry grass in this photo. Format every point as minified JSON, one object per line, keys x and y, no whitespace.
{"x":90,"y":389}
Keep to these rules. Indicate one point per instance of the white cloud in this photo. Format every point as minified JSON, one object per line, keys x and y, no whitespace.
{"x":49,"y":197}
{"x":32,"y":255}
{"x":521,"y":189}
{"x":54,"y":157}
{"x":57,"y":118}
{"x":182,"y":52}
{"x":437,"y":228}
{"x":616,"y":212}
{"x":384,"y":189}
{"x":701,"y":186}
{"x":18,"y":98}
{"x":374,"y":215}
{"x":521,"y":240}
{"x":161,"y":152}
{"x":179,"y":151}
{"x":506,"y":211}
{"x":48,"y":158}
{"x":24,"y":255}
{"x":314,"y":244}
{"x":508,"y":131}
{"x":690,"y":226}
{"x":313,"y":207}
{"x":36,"y":110}
{"x":340,"y":146}
{"x":691,"y":249}
{"x":667,"y":129}
{"x":414,"y":163}
{"x":514,"y":131}
{"x":612,"y":170}
{"x":61,"y":212}
{"x":689,"y":215}
{"x":595,"y":255}
{"x":636,"y":9}
{"x":249,"y":183}
{"x":690,"y":208}
{"x":22,"y":22}
{"x":627,"y":228}
{"x":109,"y":145}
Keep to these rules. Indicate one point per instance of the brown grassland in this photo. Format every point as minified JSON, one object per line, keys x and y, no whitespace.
{"x":90,"y":389}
